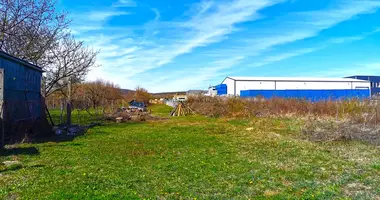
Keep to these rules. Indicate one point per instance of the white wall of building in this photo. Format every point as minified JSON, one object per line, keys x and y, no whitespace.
{"x":230,"y":86}
{"x":313,"y":84}
{"x":358,"y":85}
{"x":254,"y":85}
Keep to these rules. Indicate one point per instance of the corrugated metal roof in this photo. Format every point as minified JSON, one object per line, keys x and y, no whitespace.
{"x":307,"y":79}
{"x":18,"y":60}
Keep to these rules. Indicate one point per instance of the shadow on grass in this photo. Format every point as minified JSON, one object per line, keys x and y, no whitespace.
{"x":56,"y":139}
{"x":19,"y":151}
{"x":19,"y":166}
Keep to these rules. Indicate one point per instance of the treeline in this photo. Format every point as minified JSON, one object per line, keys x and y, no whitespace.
{"x":98,"y":96}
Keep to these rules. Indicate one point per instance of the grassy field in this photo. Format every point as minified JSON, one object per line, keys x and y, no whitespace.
{"x":192,"y":157}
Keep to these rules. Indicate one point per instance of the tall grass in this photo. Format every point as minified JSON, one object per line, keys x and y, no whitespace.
{"x":364,"y":111}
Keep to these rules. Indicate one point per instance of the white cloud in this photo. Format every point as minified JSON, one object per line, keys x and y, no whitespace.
{"x":157,"y":13}
{"x":207,"y":23}
{"x":284,"y":56}
{"x":202,"y":29}
{"x":125,"y":3}
{"x":93,"y":20}
{"x":194,"y":79}
{"x":104,"y":15}
{"x":354,"y":38}
{"x":299,"y":26}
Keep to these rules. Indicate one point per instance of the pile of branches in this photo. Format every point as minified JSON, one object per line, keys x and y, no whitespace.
{"x":127,"y":115}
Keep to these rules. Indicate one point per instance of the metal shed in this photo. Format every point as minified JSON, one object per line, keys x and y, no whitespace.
{"x":21,"y":101}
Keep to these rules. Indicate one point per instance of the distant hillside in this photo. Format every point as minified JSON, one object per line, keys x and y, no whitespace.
{"x":167,"y":94}
{"x":127,"y":91}
{"x":164,"y":94}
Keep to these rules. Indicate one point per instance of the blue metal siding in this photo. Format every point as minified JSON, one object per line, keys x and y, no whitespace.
{"x":22,"y":91}
{"x":373,"y":79}
{"x":312,"y":95}
{"x":375,"y":90}
{"x":221,"y":89}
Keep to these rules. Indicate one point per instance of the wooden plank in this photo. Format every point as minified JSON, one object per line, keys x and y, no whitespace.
{"x":2,"y":142}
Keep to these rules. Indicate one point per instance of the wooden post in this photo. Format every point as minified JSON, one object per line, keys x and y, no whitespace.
{"x":62,"y":104}
{"x":51,"y":120}
{"x":68,"y":104}
{"x":2,"y":141}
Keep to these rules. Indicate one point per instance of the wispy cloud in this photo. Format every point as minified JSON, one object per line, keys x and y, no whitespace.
{"x":354,"y":38}
{"x":157,"y":13}
{"x":203,"y":28}
{"x":103,"y":15}
{"x":208,"y":23}
{"x":284,"y":56}
{"x":125,"y":3}
{"x":199,"y":78}
{"x":93,"y":20}
{"x":299,"y":26}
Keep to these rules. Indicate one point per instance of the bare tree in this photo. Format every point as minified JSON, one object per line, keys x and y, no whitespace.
{"x":70,"y":62}
{"x":143,"y":95}
{"x":100,"y":91}
{"x":29,"y":28}
{"x":34,"y":31}
{"x":94,"y":92}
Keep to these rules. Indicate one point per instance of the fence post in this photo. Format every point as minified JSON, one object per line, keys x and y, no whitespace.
{"x":376,"y":110}
{"x":62,"y":107}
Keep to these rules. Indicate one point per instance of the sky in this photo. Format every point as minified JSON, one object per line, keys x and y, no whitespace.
{"x":177,"y":45}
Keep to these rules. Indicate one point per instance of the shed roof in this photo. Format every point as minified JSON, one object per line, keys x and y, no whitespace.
{"x":306,"y":79}
{"x":20,"y":61}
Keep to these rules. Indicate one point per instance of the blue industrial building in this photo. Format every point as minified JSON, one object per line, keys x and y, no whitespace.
{"x":21,"y":102}
{"x":374,"y":81}
{"x":313,"y":89}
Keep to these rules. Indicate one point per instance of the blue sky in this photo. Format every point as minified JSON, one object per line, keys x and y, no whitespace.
{"x":173,"y":45}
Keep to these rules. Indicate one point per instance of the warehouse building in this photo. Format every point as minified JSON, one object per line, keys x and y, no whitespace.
{"x":314,"y":89}
{"x":374,"y":80}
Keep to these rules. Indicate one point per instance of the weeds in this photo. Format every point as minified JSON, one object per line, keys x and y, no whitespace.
{"x":361,"y":111}
{"x":323,"y":120}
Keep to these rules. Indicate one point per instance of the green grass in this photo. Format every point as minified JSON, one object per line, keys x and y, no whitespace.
{"x":193,"y":157}
{"x":161,"y":110}
{"x":77,"y":116}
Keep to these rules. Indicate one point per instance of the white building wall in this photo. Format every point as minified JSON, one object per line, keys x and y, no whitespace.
{"x":313,"y":85}
{"x":254,"y":85}
{"x":359,"y":85}
{"x":230,"y":86}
